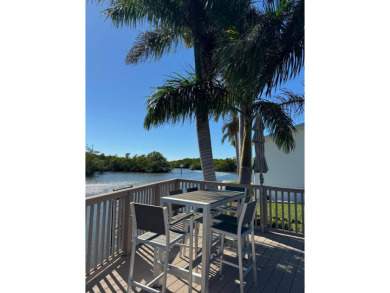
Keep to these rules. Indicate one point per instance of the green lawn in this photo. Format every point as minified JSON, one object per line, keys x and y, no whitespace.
{"x":285,"y":216}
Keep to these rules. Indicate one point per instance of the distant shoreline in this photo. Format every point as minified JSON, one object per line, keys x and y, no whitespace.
{"x":153,"y":162}
{"x":107,"y":181}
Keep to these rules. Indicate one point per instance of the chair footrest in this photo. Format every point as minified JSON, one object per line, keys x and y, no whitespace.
{"x":245,"y":269}
{"x":144,"y":287}
{"x":228,"y":208}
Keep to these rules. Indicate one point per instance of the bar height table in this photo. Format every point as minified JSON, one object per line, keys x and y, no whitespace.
{"x":207,"y":200}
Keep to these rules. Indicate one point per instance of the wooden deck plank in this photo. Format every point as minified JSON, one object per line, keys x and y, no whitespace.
{"x":177,"y":285}
{"x":273,"y":260}
{"x":262,"y":260}
{"x":217,"y":282}
{"x":263,"y":253}
{"x":298,"y":285}
{"x":280,"y":268}
{"x":289,"y":273}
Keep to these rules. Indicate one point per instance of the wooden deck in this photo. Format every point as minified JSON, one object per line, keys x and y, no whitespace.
{"x":280,"y":268}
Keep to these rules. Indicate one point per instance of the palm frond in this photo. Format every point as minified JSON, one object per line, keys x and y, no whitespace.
{"x":291,"y":102}
{"x":181,"y":97}
{"x":268,"y":52}
{"x":133,"y":12}
{"x":224,"y":137}
{"x":153,"y":44}
{"x":279,"y":123}
{"x":223,"y":14}
{"x":230,"y":128}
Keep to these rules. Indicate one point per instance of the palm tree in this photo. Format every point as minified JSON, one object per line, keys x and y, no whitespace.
{"x":196,"y":23}
{"x":267,"y":50}
{"x":258,"y":56}
{"x":230,"y":129}
{"x":276,"y":113}
{"x":177,"y":100}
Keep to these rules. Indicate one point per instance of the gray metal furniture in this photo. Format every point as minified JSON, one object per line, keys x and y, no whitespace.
{"x":176,"y":207}
{"x":176,"y":210}
{"x":191,"y":189}
{"x":238,"y":232}
{"x":206,"y":200}
{"x":200,"y":210}
{"x":153,"y":221}
{"x":231,"y":208}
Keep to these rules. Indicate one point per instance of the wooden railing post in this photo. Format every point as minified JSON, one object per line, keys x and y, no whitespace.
{"x":263,"y":210}
{"x":156,"y":195}
{"x":127,"y":224}
{"x":177,"y":184}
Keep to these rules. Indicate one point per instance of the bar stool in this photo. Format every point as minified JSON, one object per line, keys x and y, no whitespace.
{"x":154,"y":221}
{"x":234,"y":209}
{"x":238,"y":232}
{"x":176,"y":210}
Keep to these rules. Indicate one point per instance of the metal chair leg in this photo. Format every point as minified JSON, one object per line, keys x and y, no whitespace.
{"x":247,"y":245}
{"x":222,"y":239}
{"x":132,"y":259}
{"x":184,"y":240}
{"x":191,"y":251}
{"x":164,"y":285}
{"x":155,"y":258}
{"x":239,"y":254}
{"x":196,"y":243}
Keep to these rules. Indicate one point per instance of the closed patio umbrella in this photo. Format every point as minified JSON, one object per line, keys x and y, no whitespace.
{"x":260,"y":166}
{"x":260,"y":163}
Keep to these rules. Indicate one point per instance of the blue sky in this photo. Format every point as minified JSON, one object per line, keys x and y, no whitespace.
{"x":116,"y":94}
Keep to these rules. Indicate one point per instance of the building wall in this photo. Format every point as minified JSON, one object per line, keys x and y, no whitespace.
{"x":285,"y":170}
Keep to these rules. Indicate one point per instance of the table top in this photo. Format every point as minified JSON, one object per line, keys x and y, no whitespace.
{"x":201,"y":198}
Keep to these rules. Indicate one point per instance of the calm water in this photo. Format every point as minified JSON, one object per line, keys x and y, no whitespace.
{"x":106,"y":182}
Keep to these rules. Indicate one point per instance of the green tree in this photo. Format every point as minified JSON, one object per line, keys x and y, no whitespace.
{"x":90,"y":160}
{"x":156,"y":163}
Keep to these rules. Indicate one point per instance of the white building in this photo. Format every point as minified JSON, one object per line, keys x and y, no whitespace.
{"x":285,"y":170}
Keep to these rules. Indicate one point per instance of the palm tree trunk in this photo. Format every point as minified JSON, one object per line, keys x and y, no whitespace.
{"x":241,"y":119}
{"x":197,"y":60}
{"x":202,"y":124}
{"x":237,"y":146}
{"x":246,"y":155}
{"x":205,"y":151}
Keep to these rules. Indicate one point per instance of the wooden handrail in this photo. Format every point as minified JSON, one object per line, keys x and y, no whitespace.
{"x":120,"y":193}
{"x":296,"y":190}
{"x":109,"y":221}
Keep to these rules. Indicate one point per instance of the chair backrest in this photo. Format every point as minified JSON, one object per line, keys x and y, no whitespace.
{"x":173,"y":192}
{"x":149,"y":218}
{"x":191,"y":189}
{"x":248,"y":213}
{"x":248,"y":197}
{"x":235,"y":188}
{"x":175,"y":207}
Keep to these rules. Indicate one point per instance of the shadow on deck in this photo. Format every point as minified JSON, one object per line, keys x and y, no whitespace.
{"x":280,"y":268}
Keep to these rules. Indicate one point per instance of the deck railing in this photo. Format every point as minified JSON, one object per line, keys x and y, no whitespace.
{"x":285,"y":208}
{"x":108,"y":219}
{"x":108,"y":222}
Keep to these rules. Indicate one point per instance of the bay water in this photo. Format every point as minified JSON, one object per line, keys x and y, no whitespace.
{"x":107,"y":181}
